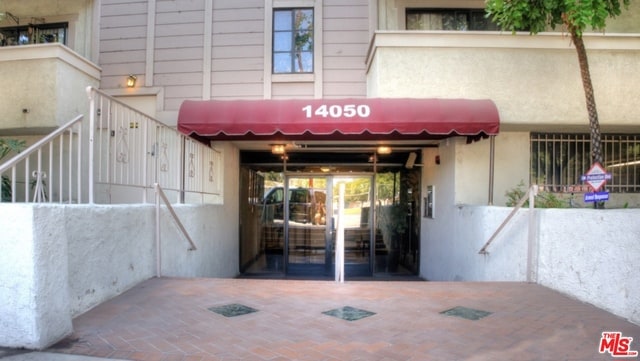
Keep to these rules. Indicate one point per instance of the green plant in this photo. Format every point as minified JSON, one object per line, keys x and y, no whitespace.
{"x":542,"y":200}
{"x":8,"y":146}
{"x":549,"y":200}
{"x":515,"y":194}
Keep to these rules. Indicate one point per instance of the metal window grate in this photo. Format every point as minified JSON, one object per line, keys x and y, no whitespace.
{"x":558,"y":160}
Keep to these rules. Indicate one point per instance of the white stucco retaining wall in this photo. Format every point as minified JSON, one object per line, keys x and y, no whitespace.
{"x":588,"y":254}
{"x":34,"y":293}
{"x":59,"y":261}
{"x":111,"y":249}
{"x":593,"y":255}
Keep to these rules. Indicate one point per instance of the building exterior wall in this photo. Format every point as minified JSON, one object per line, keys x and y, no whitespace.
{"x":70,"y":258}
{"x":47,"y":87}
{"x":345,"y":43}
{"x":580,"y":257}
{"x":534,"y":80}
{"x":59,"y":261}
{"x":222,"y":50}
{"x":237,"y":50}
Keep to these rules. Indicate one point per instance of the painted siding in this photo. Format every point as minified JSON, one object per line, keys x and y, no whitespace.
{"x":237,"y":49}
{"x":237,"y":39}
{"x":345,"y":33}
{"x":178,"y":54}
{"x":291,"y":90}
{"x":122,"y":40}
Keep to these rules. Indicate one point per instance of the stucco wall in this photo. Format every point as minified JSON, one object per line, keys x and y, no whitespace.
{"x":593,"y":254}
{"x":587,"y":254}
{"x":59,"y":261}
{"x":51,"y":92}
{"x":111,"y":249}
{"x":38,"y":96}
{"x":451,"y":252}
{"x":34,"y":293}
{"x":515,"y":72}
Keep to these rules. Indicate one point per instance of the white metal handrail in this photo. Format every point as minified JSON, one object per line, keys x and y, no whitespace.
{"x":133,"y":151}
{"x":117,"y":158}
{"x":55,"y":177}
{"x":161,"y":196}
{"x":530,"y":195}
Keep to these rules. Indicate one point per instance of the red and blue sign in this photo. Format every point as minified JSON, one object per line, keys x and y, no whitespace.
{"x":596,"y":177}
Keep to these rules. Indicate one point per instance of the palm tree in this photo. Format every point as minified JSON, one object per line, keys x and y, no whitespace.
{"x":575,"y":16}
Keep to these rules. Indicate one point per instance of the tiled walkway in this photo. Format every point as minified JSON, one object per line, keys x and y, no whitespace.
{"x":171,"y":319}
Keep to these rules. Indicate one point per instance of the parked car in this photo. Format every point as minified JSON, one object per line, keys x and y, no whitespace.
{"x":306,"y":205}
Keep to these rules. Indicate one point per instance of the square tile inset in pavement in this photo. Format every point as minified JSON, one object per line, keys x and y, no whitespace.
{"x":349,"y":313}
{"x":466,"y":313}
{"x":232,"y":310}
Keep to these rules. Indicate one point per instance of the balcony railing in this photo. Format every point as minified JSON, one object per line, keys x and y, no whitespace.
{"x":48,"y":171}
{"x":118,"y":157}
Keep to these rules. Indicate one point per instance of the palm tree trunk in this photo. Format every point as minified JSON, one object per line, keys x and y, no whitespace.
{"x":594,"y":125}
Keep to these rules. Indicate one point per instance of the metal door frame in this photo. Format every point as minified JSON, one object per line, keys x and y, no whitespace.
{"x":328,"y":266}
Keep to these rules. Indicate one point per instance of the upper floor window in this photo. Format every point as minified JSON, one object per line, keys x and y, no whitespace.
{"x":448,"y":19}
{"x":292,"y":41}
{"x":33,"y":34}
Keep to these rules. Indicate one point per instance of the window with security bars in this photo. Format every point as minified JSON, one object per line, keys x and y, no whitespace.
{"x":558,"y":161}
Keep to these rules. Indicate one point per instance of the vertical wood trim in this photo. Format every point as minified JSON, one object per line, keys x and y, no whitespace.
{"x":268,"y":45}
{"x":207,"y":49}
{"x":318,"y":42}
{"x":95,"y":32}
{"x":151,"y":35}
{"x":373,"y":17}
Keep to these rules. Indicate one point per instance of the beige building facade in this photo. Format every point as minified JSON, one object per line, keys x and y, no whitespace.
{"x":225,"y":50}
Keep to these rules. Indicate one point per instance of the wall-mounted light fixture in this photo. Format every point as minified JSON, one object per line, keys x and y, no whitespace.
{"x":278,"y":148}
{"x":384,"y":149}
{"x":131,"y":81}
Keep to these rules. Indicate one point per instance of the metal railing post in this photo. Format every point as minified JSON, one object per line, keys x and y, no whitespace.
{"x":532,"y":246}
{"x":183,"y":230}
{"x":515,"y":209}
{"x":158,"y":253}
{"x":92,"y":114}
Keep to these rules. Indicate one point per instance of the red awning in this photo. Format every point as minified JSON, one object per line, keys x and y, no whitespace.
{"x":338,"y":119}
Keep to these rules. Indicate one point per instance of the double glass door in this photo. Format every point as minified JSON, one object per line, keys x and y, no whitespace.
{"x":316,"y":216}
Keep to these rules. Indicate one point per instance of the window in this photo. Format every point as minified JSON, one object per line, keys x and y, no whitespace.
{"x":558,"y":161}
{"x":34,"y":34}
{"x":292,"y":41}
{"x":448,"y":19}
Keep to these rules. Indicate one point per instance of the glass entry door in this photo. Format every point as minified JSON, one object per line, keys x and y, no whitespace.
{"x":306,"y":232}
{"x":313,"y":216}
{"x":352,"y":218}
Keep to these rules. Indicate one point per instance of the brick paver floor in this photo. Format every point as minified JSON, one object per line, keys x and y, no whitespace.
{"x":171,"y":319}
